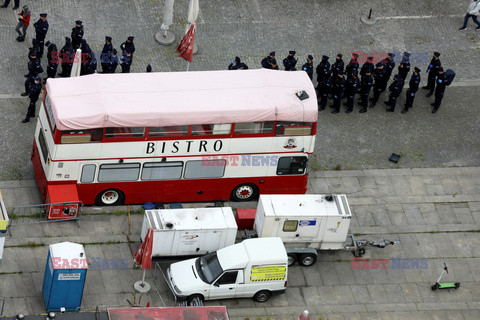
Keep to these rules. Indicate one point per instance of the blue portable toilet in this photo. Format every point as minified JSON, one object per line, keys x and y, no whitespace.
{"x":65,"y":275}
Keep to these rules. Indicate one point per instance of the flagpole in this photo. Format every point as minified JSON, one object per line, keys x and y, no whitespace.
{"x":188,"y":64}
{"x":143,"y":278}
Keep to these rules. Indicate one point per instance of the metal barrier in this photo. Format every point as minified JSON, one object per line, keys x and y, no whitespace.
{"x":158,"y":275}
{"x":48,"y":212}
{"x":3,"y":305}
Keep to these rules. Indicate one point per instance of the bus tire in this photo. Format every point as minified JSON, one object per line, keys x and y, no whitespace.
{"x":262,"y":296}
{"x":110,"y":197}
{"x":245,"y":192}
{"x":307,"y":259}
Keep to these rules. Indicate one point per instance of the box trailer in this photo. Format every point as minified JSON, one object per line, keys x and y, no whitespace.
{"x":195,"y":231}
{"x":305,"y":223}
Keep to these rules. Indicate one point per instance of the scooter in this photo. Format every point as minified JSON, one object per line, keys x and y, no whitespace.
{"x":447,"y":285}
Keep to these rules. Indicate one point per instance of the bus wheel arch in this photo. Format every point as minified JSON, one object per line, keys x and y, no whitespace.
{"x":110,"y":197}
{"x":245,"y":192}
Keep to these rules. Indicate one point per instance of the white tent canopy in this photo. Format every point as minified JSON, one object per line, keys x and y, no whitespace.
{"x":180,"y":98}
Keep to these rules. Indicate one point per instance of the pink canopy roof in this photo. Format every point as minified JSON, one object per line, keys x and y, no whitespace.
{"x":180,"y":98}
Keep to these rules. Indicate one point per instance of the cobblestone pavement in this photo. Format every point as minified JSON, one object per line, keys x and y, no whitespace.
{"x":434,"y":213}
{"x":251,"y":29}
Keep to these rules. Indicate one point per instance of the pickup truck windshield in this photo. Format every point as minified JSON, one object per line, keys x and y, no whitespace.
{"x":208,"y":267}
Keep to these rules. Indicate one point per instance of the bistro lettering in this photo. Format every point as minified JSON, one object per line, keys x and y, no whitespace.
{"x":187,"y":146}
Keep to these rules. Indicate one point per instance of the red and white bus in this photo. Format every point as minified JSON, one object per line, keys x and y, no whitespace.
{"x":175,"y":136}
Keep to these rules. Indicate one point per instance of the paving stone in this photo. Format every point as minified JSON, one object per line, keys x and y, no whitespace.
{"x":344,"y":295}
{"x":335,"y":185}
{"x":413,"y":215}
{"x":327,"y":295}
{"x":377,"y":293}
{"x":363,"y":215}
{"x":471,"y":314}
{"x":380,"y":215}
{"x":446,"y":214}
{"x":312,"y":275}
{"x":351,"y":184}
{"x":344,"y":272}
{"x":319,"y":185}
{"x":294,"y":296}
{"x":385,"y":186}
{"x":463,"y":215}
{"x":429,"y":213}
{"x":311,"y":295}
{"x":295,"y":276}
{"x":328,"y":273}
{"x":435,"y":190}
{"x":426,"y":245}
{"x":462,"y":247}
{"x":410,"y":292}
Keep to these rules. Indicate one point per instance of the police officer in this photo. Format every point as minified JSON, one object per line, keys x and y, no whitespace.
{"x":368,"y":65}
{"x":34,"y":68}
{"x":379,"y":75}
{"x":308,"y":66}
{"x":126,"y":61}
{"x":395,"y":89}
{"x":365,"y":87}
{"x":352,"y":66}
{"x":113,"y":66}
{"x":106,"y":57}
{"x":67,"y":56}
{"x":432,"y":71}
{"x":412,"y":90}
{"x":149,"y":69}
{"x":77,"y":34}
{"x":237,"y":64}
{"x":324,"y":87}
{"x":41,"y":29}
{"x":52,"y":59}
{"x":322,"y":69}
{"x":290,"y":62}
{"x":389,"y":63}
{"x":404,"y":66}
{"x":337,"y":66}
{"x":86,"y":58}
{"x":439,"y":90}
{"x":128,"y":46}
{"x":351,"y":87}
{"x":92,"y":63}
{"x":338,"y":86}
{"x":35,"y":87}
{"x":266,"y":61}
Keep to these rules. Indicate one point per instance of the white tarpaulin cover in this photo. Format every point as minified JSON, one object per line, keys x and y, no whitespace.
{"x":180,"y":98}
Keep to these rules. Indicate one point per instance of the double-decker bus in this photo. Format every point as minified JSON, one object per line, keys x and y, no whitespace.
{"x":175,"y":136}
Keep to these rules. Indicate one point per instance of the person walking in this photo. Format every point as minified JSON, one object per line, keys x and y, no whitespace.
{"x":7,"y":2}
{"x":77,"y":35}
{"x":365,"y":87}
{"x":432,"y":71}
{"x":290,"y":62}
{"x":395,"y":89}
{"x":266,"y":61}
{"x":412,"y":90}
{"x":472,"y":12}
{"x":52,"y":59}
{"x":308,"y":66}
{"x":322,"y":69}
{"x":67,"y":55}
{"x":35,"y":87}
{"x":23,"y":22}
{"x":324,"y":87}
{"x":41,"y":29}
{"x":439,"y":90}
{"x":237,"y":64}
{"x":338,"y":86}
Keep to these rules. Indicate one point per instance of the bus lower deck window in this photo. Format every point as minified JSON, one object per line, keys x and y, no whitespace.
{"x":119,"y":172}
{"x":291,"y":165}
{"x":287,"y":128}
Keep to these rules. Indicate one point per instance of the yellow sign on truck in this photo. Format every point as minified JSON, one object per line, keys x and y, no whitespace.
{"x":3,"y":225}
{"x":268,"y":273}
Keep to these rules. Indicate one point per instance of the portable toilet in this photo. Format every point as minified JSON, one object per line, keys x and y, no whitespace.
{"x":65,"y":275}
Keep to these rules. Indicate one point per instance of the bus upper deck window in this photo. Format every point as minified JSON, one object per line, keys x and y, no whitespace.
{"x":123,"y":133}
{"x":208,"y":129}
{"x":172,"y":131}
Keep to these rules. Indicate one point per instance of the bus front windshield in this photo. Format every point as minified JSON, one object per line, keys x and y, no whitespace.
{"x":208,"y":267}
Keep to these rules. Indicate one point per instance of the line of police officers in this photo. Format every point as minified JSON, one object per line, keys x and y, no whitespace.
{"x":342,"y":81}
{"x":66,"y":56}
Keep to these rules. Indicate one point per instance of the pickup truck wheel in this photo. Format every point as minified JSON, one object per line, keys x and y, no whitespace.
{"x":307,"y":259}
{"x":292,"y":257}
{"x":262,"y":296}
{"x":194,"y":297}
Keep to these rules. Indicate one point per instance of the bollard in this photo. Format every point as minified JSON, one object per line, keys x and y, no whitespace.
{"x":368,"y":19}
{"x":304,"y":316}
{"x":20,"y":316}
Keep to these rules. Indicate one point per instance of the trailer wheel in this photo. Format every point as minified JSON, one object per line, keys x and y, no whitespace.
{"x":193,"y":298}
{"x":292,"y":257}
{"x":307,"y":259}
{"x":262,"y":296}
{"x":110,"y":197}
{"x":245,"y":192}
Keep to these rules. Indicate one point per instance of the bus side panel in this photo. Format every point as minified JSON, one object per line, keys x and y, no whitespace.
{"x":39,"y":173}
{"x":139,"y":192}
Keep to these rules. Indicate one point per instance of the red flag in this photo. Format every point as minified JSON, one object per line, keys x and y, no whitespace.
{"x":185,"y":47}
{"x":143,"y":256}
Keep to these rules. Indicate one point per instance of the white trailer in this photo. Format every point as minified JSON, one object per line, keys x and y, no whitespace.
{"x":196,"y":231}
{"x":306,"y":223}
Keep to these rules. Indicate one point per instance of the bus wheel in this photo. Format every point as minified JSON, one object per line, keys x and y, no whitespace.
{"x":110,"y":197}
{"x":245,"y":192}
